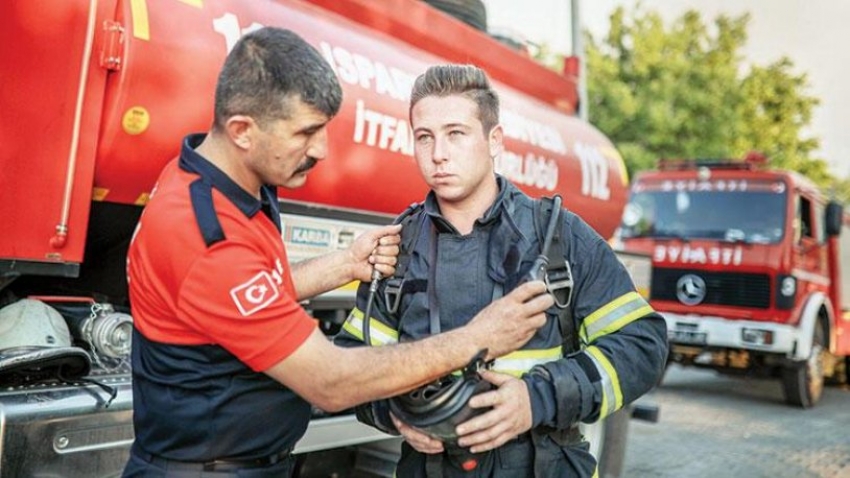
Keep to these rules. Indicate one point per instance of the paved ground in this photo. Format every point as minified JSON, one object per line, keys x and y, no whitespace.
{"x":716,"y":426}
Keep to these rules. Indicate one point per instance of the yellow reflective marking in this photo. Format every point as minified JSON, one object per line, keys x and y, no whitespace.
{"x":615,"y":382}
{"x":141,"y":25}
{"x":533,"y":354}
{"x":380,"y":333}
{"x":376,"y":324}
{"x":194,"y":3}
{"x":521,"y":361}
{"x":351,"y":329}
{"x":622,"y":322}
{"x":607,"y":309}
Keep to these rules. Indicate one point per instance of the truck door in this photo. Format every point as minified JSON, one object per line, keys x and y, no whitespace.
{"x":810,"y":256}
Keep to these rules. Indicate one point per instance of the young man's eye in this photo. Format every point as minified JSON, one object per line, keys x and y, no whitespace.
{"x":423,"y":138}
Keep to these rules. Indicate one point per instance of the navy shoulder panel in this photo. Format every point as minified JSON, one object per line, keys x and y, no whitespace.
{"x":202,"y":204}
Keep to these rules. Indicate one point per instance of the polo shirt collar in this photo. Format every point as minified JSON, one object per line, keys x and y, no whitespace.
{"x":193,"y":162}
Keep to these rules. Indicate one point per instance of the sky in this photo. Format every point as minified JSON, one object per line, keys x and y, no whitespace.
{"x":812,"y":33}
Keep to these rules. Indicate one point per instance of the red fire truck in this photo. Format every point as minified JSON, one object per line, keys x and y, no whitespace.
{"x":96,"y":96}
{"x":750,"y":269}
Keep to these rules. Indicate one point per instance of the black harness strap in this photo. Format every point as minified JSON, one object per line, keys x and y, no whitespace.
{"x":559,"y":279}
{"x":433,"y":302}
{"x":559,"y":276}
{"x":395,"y":286}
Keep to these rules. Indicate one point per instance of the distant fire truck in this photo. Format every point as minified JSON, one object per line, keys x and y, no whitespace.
{"x":750,"y":268}
{"x":97,"y":95}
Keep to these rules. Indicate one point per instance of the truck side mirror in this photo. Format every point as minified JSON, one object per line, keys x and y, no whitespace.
{"x":833,"y":218}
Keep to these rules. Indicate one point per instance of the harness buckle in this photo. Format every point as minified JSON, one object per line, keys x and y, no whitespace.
{"x":559,"y":283}
{"x":392,"y":293}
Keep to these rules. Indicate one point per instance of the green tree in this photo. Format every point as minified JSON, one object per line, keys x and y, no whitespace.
{"x":684,"y":91}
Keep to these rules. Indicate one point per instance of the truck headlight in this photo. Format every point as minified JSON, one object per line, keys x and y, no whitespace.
{"x":786,"y":291}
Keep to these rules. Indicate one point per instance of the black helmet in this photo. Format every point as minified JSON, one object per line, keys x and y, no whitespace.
{"x":439,"y":407}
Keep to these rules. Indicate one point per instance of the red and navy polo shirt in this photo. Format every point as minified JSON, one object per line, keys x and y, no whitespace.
{"x":213,"y":306}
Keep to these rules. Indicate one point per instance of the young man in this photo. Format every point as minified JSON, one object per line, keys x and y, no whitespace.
{"x":224,"y":359}
{"x":477,"y":242}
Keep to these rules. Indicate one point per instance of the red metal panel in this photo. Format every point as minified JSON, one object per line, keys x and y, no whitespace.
{"x":42,"y":52}
{"x":167,"y":83}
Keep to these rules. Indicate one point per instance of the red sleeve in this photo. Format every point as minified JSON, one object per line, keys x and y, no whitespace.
{"x":242,"y":298}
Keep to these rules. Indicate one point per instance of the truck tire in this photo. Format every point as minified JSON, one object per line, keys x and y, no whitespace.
{"x":471,"y":12}
{"x":608,"y":442}
{"x":802,"y":382}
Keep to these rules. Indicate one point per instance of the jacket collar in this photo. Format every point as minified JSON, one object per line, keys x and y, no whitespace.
{"x":432,"y":208}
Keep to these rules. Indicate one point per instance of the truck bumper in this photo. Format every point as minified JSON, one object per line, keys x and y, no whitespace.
{"x":65,"y":430}
{"x":717,"y":332}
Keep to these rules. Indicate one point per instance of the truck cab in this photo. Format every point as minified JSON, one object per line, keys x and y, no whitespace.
{"x":747,"y":269}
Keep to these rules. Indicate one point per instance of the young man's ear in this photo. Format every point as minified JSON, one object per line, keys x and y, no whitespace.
{"x":495,"y":139}
{"x":241,"y":129}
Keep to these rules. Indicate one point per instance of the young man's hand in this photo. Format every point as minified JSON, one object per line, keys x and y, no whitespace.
{"x":509,"y":416}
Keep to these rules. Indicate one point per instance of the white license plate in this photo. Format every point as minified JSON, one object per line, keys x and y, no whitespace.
{"x":687,"y":337}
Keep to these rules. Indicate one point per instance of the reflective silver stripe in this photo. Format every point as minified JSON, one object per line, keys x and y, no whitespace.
{"x":521,"y":361}
{"x":380,"y":333}
{"x":614,"y":316}
{"x":612,"y":396}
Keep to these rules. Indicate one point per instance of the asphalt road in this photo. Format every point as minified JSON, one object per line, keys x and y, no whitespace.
{"x":716,"y":426}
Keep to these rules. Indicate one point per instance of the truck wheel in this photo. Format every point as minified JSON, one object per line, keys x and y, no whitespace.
{"x":802,"y":382}
{"x":608,"y":442}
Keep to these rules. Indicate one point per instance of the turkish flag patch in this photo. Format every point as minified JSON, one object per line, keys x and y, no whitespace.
{"x":255,"y":294}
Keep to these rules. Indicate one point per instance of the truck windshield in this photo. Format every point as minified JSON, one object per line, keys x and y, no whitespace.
{"x":751,"y":212}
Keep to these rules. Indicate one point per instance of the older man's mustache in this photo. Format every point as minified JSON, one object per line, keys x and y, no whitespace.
{"x":306,"y":165}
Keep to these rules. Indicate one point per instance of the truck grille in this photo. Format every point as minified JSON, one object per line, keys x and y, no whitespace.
{"x":722,"y":288}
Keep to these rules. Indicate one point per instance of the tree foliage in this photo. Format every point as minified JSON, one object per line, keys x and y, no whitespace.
{"x":684,"y":90}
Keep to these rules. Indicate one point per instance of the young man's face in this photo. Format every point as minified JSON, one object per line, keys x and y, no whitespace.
{"x":454,"y":153}
{"x":288,"y":148}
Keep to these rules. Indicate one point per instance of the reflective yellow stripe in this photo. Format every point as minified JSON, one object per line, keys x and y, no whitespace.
{"x":194,"y":3}
{"x":612,"y":396}
{"x":141,"y":26}
{"x":550,"y":353}
{"x":613,"y":316}
{"x":380,"y":333}
{"x":521,"y":361}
